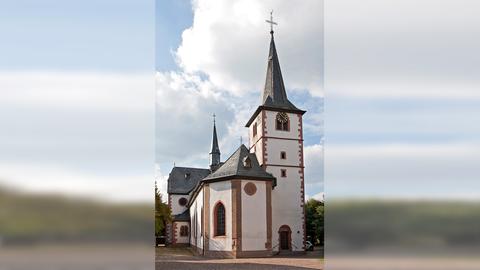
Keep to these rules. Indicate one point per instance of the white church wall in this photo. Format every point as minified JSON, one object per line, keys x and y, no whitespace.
{"x":193,"y":208}
{"x":221,"y":192}
{"x":255,"y":142}
{"x":196,"y":238}
{"x":254,"y":217}
{"x":291,"y":149}
{"x":287,"y":206}
{"x":176,"y":207}
{"x":258,"y":150}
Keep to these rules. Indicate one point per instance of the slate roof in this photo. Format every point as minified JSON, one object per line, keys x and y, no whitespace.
{"x":274,"y":95}
{"x":234,"y":167}
{"x":185,"y":216}
{"x":182,"y":180}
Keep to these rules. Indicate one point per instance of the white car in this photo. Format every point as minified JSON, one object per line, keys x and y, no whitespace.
{"x":309,"y":246}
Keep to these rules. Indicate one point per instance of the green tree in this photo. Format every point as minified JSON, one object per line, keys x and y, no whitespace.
{"x":314,"y":211}
{"x":163,"y":214}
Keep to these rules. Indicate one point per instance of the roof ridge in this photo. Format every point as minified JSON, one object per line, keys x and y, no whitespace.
{"x":234,"y":167}
{"x":181,"y":167}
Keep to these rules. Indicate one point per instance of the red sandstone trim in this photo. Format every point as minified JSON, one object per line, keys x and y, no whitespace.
{"x":236,"y":216}
{"x":170,"y":226}
{"x":174,"y":231}
{"x":268,"y":244}
{"x":302,"y":177}
{"x":288,"y":166}
{"x":273,"y":137}
{"x":264,"y":142}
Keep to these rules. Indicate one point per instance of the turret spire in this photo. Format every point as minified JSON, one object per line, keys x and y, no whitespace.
{"x":215,"y":152}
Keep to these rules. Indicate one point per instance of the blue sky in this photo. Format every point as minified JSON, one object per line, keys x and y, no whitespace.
{"x":77,"y":97}
{"x":102,"y":35}
{"x":217,"y":65}
{"x":172,"y":17}
{"x":401,"y":98}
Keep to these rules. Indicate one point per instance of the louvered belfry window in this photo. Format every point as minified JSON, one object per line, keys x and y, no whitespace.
{"x":220,"y":220}
{"x":282,"y":121}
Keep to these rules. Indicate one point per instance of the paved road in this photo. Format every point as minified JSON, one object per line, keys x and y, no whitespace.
{"x":68,"y":257}
{"x":184,"y":260}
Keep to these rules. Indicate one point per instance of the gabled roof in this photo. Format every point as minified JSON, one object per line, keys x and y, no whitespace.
{"x":182,"y":180}
{"x":185,"y":216}
{"x":234,"y":167}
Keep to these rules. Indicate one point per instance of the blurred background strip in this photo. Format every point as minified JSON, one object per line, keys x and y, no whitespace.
{"x":77,"y":105}
{"x":402,"y":140}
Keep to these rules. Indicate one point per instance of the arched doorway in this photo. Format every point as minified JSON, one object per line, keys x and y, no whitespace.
{"x":285,"y":237}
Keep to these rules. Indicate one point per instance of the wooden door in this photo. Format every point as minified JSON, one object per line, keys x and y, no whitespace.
{"x":284,"y":241}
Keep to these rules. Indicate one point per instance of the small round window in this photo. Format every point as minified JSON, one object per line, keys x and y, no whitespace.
{"x":182,"y":201}
{"x":250,"y":188}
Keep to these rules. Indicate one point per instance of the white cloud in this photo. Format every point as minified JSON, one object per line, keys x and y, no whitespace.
{"x":402,"y":49}
{"x":82,"y":133}
{"x":185,"y":104}
{"x":162,"y":183}
{"x":314,"y":165}
{"x":318,"y":196}
{"x":229,"y":42}
{"x":77,"y":90}
{"x":58,"y":179}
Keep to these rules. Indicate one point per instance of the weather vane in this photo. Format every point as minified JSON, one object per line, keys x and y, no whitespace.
{"x":271,"y":22}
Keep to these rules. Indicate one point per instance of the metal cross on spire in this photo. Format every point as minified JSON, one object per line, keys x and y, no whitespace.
{"x":271,"y":22}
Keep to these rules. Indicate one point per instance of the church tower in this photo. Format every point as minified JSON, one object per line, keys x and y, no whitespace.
{"x":276,"y":138}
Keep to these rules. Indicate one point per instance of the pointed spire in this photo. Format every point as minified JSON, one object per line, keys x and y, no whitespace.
{"x":215,"y":152}
{"x":274,"y":94}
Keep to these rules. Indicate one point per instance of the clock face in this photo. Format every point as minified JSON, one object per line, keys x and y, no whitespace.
{"x":282,"y":117}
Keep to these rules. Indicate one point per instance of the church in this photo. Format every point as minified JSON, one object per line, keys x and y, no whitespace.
{"x":251,"y":204}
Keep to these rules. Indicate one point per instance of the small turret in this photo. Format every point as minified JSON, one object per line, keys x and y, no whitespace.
{"x":215,"y":152}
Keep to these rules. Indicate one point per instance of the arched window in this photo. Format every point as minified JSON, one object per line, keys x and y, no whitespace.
{"x":184,"y":230}
{"x":219,"y":219}
{"x":282,"y":122}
